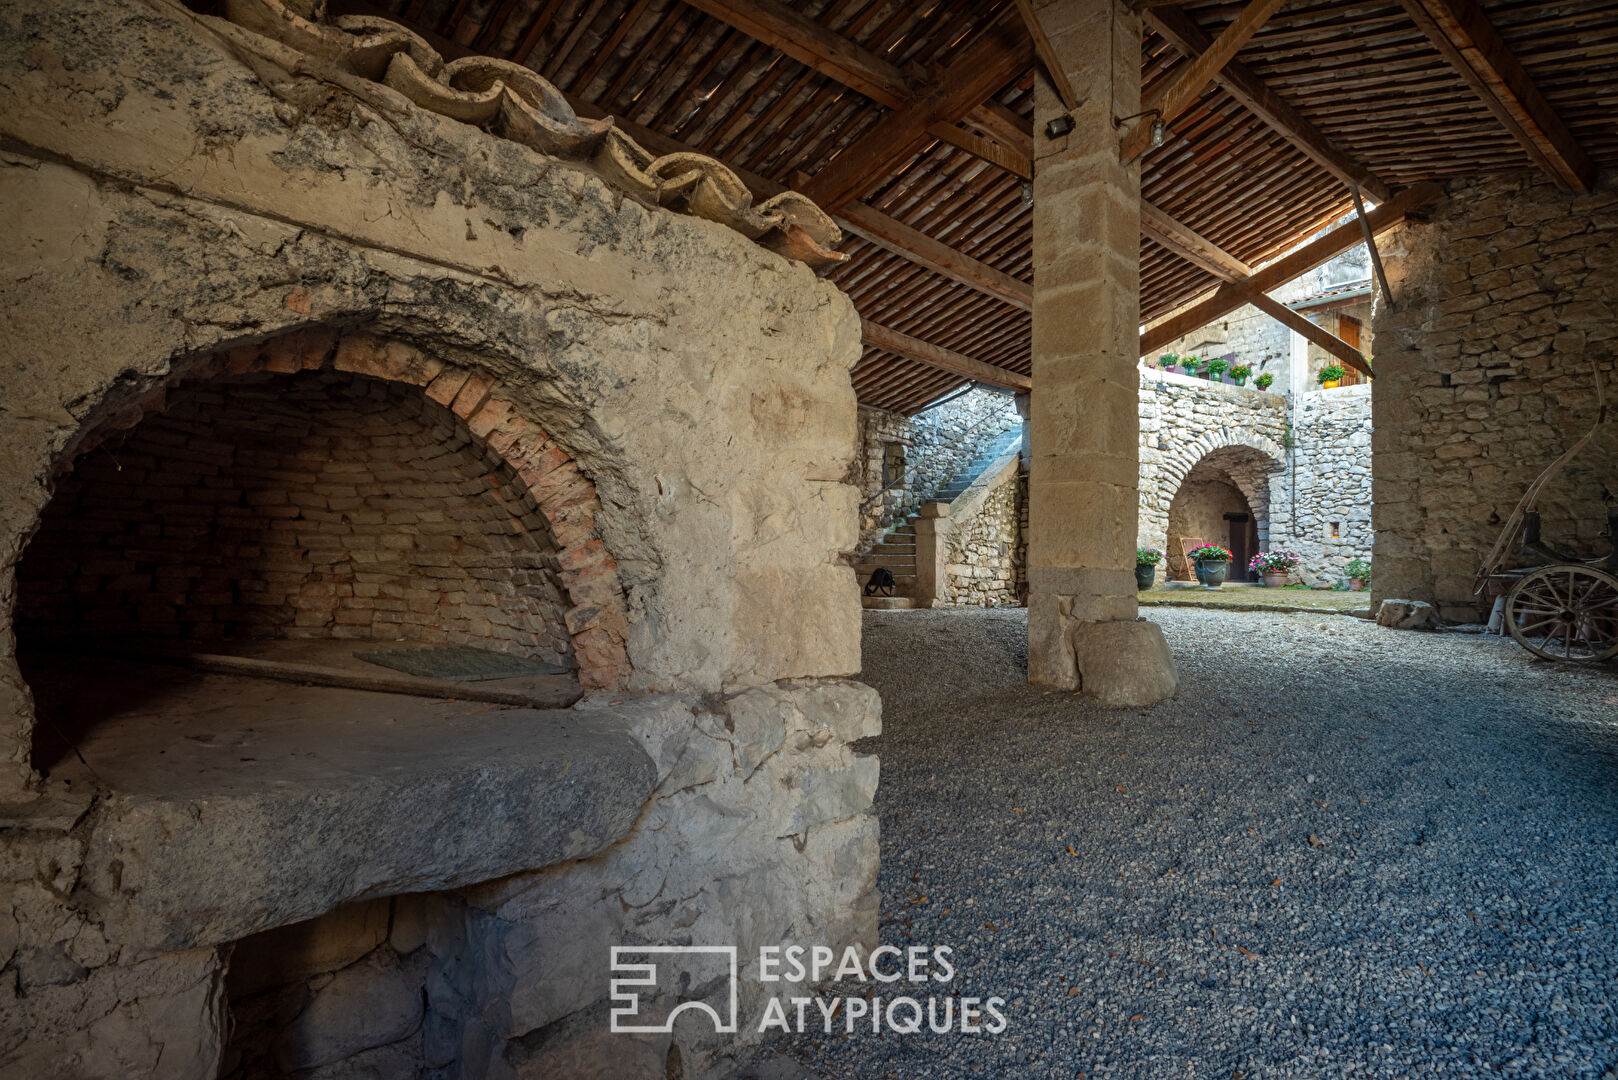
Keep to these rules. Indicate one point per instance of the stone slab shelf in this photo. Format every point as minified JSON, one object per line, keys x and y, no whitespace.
{"x":234,"y":805}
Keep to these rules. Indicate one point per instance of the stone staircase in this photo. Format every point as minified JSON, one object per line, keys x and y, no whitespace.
{"x":896,"y":550}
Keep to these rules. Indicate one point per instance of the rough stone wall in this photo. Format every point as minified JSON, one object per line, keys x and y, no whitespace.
{"x":1184,"y":420}
{"x":1330,"y":472}
{"x":172,"y":201}
{"x":1484,"y":377}
{"x":296,"y":506}
{"x":984,"y":550}
{"x":938,"y":444}
{"x":1298,"y":472}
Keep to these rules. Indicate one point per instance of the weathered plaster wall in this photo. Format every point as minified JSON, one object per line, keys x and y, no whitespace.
{"x":173,"y":205}
{"x":938,"y":444}
{"x":1504,"y":302}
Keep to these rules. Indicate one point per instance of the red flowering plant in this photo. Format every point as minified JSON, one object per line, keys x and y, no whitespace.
{"x":1273,"y":562}
{"x":1209,"y":553}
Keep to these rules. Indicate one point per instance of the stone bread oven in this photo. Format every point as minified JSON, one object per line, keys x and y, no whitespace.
{"x":302,"y":359}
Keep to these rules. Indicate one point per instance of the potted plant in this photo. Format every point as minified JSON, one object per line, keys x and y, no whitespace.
{"x":1330,"y":376}
{"x":1263,"y":381}
{"x":1169,"y":361}
{"x":1240,"y":374}
{"x":1216,"y":368}
{"x":1213,"y":564}
{"x":1146,"y":560}
{"x":1190,"y":364}
{"x":1359,"y":574}
{"x":1274,"y":566}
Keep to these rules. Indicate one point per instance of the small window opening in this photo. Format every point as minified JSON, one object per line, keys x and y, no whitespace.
{"x":1336,"y":529}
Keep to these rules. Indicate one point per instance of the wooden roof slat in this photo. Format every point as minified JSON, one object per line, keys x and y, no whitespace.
{"x":1469,"y":41}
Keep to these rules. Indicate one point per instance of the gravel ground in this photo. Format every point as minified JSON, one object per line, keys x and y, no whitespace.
{"x":1341,"y":851}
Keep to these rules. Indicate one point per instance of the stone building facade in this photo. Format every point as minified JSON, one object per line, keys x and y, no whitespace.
{"x":1296,"y":468}
{"x":1506,"y":311}
{"x":223,"y":251}
{"x":1337,"y":296}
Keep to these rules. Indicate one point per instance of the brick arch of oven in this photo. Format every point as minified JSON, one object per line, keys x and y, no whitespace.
{"x":1247,"y":457}
{"x":593,"y":608}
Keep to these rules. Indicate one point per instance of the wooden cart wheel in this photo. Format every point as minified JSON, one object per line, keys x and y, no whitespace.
{"x":1565,"y":612}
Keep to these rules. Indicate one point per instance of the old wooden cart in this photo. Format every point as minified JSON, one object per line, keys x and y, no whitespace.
{"x":1556,"y":606}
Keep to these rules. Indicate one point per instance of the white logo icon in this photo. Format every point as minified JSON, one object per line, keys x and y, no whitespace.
{"x":627,"y":1002}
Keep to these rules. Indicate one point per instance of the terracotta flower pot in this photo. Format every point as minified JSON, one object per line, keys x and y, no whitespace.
{"x":1213,"y":574}
{"x":1356,"y":584}
{"x":1274,"y":579}
{"x":1145,"y":575}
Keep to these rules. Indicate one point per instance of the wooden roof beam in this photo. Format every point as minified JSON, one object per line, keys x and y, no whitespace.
{"x":1471,"y":44}
{"x":1229,"y":297}
{"x":871,"y":224}
{"x":1181,"y":31}
{"x":881,"y":337}
{"x":1299,"y":324}
{"x":806,"y":41}
{"x":1047,"y":56}
{"x":987,"y":149}
{"x":1190,"y":246}
{"x":992,"y":61}
{"x":1188,"y":86}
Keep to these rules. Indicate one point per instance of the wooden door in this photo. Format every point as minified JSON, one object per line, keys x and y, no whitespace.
{"x":1348,"y":328}
{"x":1240,"y":549}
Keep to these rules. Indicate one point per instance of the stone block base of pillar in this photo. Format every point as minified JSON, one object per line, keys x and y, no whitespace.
{"x":1119,"y":663}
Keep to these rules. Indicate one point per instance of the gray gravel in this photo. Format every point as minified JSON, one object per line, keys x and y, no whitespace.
{"x":1452,"y":915}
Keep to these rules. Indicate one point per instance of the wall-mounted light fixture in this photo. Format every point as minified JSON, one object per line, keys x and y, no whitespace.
{"x":1059,"y":126}
{"x":1159,"y":128}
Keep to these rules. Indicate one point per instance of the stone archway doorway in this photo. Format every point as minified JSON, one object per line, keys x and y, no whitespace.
{"x":1224,"y":499}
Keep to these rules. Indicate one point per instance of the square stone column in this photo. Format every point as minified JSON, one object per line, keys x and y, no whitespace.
{"x":1084,"y":422}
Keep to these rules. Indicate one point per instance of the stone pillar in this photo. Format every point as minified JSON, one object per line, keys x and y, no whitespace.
{"x":932,"y":551}
{"x":1084,"y":424}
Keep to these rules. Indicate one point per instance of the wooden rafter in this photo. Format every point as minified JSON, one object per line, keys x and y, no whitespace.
{"x":1190,"y":83}
{"x":985,"y":67}
{"x":1047,"y":56}
{"x":814,"y":46}
{"x":1181,"y":31}
{"x":1297,"y":323}
{"x":987,"y":149}
{"x":881,"y":337}
{"x":1002,"y":125}
{"x":1191,"y":246}
{"x":1230,"y":296}
{"x":894,"y":235}
{"x":1471,"y":44}
{"x":1220,"y":263}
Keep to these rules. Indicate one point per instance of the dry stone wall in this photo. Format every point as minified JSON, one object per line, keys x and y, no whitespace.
{"x":1300,"y":472}
{"x":1505,"y":303}
{"x":937,"y":445}
{"x":984,"y":547}
{"x":177,"y":204}
{"x":1327,"y":521}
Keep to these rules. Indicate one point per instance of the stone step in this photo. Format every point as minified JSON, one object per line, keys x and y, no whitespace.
{"x":906,"y":550}
{"x":877,"y":558}
{"x":887,"y":603}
